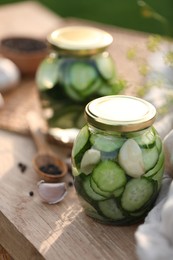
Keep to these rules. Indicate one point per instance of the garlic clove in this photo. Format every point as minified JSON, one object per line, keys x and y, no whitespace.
{"x":52,"y":192}
{"x":130,"y":159}
{"x":90,"y":158}
{"x":9,"y":74}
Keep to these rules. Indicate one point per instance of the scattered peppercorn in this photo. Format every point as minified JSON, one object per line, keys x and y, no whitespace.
{"x":31,"y":193}
{"x":70,"y":184}
{"x":50,"y":169}
{"x":22,"y":167}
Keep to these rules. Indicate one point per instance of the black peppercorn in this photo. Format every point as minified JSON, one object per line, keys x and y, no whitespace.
{"x":50,"y":169}
{"x":22,"y":167}
{"x":31,"y":193}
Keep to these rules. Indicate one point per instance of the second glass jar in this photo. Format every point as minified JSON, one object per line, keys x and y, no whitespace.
{"x":78,"y":69}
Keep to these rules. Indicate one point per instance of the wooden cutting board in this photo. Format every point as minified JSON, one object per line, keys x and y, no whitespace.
{"x":32,"y":229}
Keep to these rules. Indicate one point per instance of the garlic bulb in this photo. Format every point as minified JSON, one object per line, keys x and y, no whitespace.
{"x":9,"y":74}
{"x":52,"y":192}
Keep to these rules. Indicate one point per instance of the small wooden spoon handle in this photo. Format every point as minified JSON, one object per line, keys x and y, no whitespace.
{"x":34,"y":126}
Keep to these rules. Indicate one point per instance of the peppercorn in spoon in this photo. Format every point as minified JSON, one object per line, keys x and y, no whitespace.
{"x":46,"y":163}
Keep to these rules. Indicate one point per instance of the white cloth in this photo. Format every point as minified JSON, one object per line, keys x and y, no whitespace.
{"x":154,"y":238}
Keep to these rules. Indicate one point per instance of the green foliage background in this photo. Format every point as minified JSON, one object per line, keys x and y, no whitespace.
{"x":123,"y":13}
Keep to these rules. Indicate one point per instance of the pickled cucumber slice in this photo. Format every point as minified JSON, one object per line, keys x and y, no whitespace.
{"x":118,"y":192}
{"x":81,"y":144}
{"x":158,"y":143}
{"x":98,"y":190}
{"x":109,"y":176}
{"x":109,"y":155}
{"x":106,"y":143}
{"x":91,"y":89}
{"x":157,"y":167}
{"x":158,"y":177}
{"x":136,"y":194}
{"x":82,"y":75}
{"x":66,"y":82}
{"x":105,"y":65}
{"x":47,"y":74}
{"x":90,"y":210}
{"x":89,"y":191}
{"x":145,"y":139}
{"x":106,"y":89}
{"x":150,"y":157}
{"x":89,"y":160}
{"x":111,"y":87}
{"x":72,"y":93}
{"x":81,"y":140}
{"x":110,"y":209}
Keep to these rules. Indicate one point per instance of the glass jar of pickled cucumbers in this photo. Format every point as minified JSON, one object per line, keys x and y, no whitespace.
{"x":78,"y":70}
{"x":118,"y":160}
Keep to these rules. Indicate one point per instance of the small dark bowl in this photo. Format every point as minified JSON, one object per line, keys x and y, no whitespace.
{"x":25,"y":52}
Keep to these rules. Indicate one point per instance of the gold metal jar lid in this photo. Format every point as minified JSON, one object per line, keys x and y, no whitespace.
{"x":80,"y":40}
{"x":120,"y":113}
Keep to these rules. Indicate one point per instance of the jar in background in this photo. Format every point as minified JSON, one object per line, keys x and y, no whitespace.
{"x":118,"y":160}
{"x":78,"y":70}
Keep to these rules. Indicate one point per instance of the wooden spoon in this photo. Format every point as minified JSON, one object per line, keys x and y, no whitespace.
{"x":45,"y":157}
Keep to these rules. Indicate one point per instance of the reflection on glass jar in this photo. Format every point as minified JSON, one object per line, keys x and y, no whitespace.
{"x":118,"y":160}
{"x":78,"y":70}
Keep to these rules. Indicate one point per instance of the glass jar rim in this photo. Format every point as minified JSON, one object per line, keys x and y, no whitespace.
{"x":120,"y":113}
{"x":79,"y":40}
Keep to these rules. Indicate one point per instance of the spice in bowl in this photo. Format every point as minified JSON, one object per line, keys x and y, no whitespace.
{"x":25,"y":52}
{"x":50,"y":169}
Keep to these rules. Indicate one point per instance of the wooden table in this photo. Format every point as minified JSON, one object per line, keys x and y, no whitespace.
{"x":29,"y":228}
